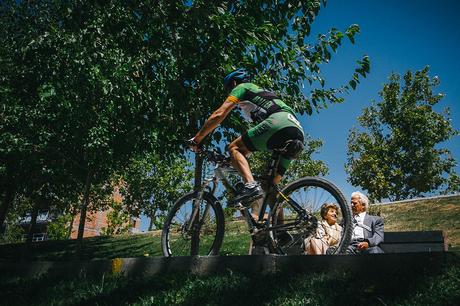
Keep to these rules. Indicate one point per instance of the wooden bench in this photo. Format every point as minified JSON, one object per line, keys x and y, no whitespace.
{"x":402,"y":242}
{"x":411,"y":242}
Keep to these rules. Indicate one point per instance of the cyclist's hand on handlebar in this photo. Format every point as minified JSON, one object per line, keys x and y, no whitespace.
{"x":193,"y":145}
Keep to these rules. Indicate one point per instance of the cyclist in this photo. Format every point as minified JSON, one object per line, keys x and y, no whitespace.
{"x":276,"y":128}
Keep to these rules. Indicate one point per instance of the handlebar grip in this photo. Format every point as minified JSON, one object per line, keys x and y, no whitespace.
{"x":192,"y":143}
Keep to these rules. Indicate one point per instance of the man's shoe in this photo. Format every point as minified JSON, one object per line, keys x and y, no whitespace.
{"x":250,"y":192}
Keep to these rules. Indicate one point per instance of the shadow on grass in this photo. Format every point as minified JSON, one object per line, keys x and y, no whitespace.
{"x":104,"y":247}
{"x":427,"y":287}
{"x":93,"y":248}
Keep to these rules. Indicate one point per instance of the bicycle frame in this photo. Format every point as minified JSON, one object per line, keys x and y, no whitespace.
{"x":293,"y":213}
{"x":221,"y":172}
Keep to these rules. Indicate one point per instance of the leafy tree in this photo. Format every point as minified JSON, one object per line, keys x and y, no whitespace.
{"x":398,"y":153}
{"x":87,"y":85}
{"x":118,"y":220}
{"x":152,"y":185}
{"x":74,"y":81}
{"x":200,"y":41}
{"x":14,"y":231}
{"x":58,"y":229}
{"x":203,"y":40}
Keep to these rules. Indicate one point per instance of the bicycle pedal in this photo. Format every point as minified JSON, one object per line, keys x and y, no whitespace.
{"x":236,"y":205}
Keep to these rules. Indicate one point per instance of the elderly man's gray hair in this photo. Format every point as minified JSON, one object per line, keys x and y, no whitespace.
{"x":362,"y":198}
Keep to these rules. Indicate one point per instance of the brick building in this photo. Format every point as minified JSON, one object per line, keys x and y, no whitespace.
{"x":95,"y":222}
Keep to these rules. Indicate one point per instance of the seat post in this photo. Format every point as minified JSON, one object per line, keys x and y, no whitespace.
{"x":276,"y":157}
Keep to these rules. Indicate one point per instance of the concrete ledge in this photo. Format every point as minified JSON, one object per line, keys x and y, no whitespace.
{"x":206,"y":265}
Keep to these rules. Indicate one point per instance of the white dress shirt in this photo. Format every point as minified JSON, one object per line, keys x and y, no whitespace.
{"x":358,"y":231}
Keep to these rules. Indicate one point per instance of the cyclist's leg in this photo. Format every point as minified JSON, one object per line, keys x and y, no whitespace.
{"x":238,"y":152}
{"x":282,"y":167}
{"x":287,"y":130}
{"x":272,"y":133}
{"x":255,"y":139}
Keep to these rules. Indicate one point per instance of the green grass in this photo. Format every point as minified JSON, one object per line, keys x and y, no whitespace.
{"x":442,"y":214}
{"x":236,"y":242}
{"x":93,"y":248}
{"x":424,"y":215}
{"x":426,"y":287}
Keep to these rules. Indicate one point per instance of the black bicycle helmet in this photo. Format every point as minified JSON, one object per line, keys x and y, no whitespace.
{"x":239,"y":75}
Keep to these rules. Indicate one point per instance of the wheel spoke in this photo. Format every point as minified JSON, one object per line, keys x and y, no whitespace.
{"x":180,"y":230}
{"x":310,"y":194}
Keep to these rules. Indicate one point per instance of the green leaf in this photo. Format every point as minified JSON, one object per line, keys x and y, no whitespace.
{"x":352,"y":84}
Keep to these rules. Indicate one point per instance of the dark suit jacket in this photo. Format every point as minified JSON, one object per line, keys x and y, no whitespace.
{"x":373,"y":230}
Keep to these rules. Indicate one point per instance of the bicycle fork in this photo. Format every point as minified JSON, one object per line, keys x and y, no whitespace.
{"x":195,"y":224}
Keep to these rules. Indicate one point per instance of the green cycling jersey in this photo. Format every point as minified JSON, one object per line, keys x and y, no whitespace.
{"x":275,"y":120}
{"x":256,"y":103}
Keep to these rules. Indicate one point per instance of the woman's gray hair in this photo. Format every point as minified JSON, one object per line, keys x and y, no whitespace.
{"x":362,"y":198}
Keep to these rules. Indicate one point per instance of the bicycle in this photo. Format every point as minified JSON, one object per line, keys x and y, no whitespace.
{"x":195,"y":224}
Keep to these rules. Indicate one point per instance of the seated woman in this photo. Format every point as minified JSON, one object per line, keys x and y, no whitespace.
{"x":327,"y":234}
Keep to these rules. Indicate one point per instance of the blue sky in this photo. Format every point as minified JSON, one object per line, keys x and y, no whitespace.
{"x":397,"y":36}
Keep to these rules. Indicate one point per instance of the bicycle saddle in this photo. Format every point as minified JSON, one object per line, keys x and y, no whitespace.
{"x":291,"y":149}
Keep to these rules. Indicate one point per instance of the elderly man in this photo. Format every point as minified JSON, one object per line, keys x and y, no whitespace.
{"x":368,"y":229}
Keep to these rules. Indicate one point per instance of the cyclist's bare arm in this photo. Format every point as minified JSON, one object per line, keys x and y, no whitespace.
{"x":214,"y":120}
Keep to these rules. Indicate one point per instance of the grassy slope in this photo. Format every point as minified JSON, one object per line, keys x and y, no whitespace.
{"x":422,"y":215}
{"x":441,"y":214}
{"x":426,"y":287}
{"x":236,"y":242}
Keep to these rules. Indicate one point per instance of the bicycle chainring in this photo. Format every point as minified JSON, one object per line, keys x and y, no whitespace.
{"x":307,"y":223}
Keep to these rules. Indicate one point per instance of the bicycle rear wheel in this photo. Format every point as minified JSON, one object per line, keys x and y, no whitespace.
{"x":193,"y":227}
{"x":291,"y":228}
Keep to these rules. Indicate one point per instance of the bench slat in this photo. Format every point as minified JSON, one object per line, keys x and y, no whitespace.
{"x":414,"y":237}
{"x":411,"y":247}
{"x":406,"y":242}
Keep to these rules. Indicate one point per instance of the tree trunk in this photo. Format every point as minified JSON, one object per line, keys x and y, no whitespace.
{"x":8,"y":199}
{"x":30,"y":233}
{"x":69,"y":231}
{"x":84,"y":207}
{"x":195,"y":245}
{"x":151,"y":224}
{"x":33,"y":223}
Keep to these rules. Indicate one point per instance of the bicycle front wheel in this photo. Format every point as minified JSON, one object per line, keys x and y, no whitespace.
{"x":194,"y":226}
{"x":292,"y":228}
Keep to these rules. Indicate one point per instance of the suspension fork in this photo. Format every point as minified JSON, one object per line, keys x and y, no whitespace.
{"x":198,"y":199}
{"x":212,"y":190}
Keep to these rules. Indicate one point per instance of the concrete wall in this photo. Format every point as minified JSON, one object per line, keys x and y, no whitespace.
{"x":370,"y":265}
